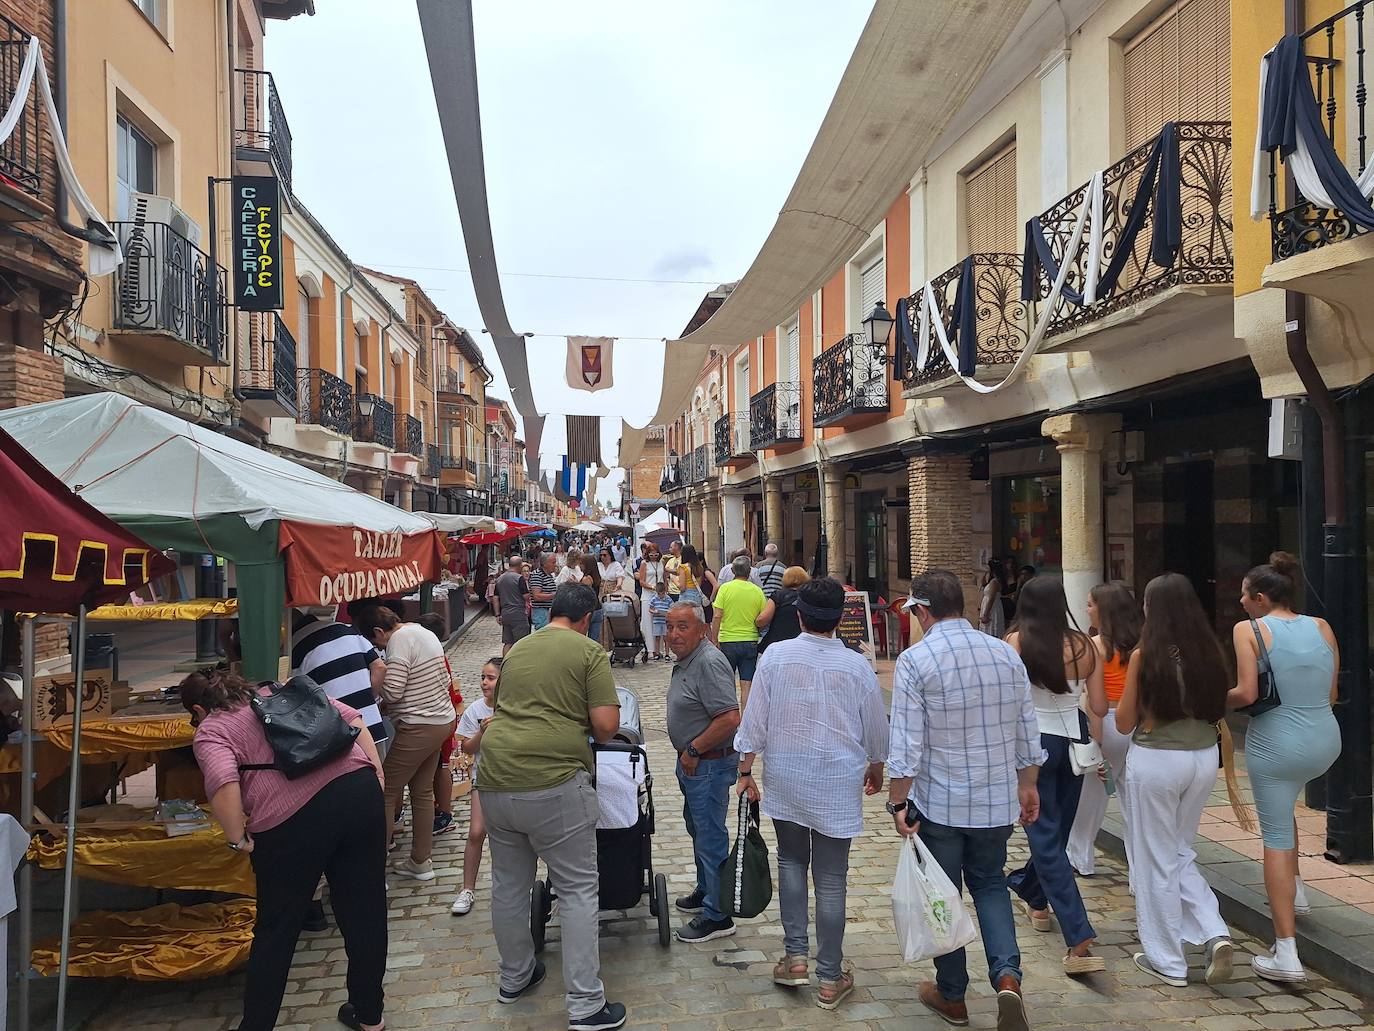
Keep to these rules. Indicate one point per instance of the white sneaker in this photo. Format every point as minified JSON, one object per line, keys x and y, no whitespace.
{"x":1300,"y":903}
{"x":462,"y":905}
{"x":1219,"y":959}
{"x":1271,"y":968}
{"x":415,"y":871}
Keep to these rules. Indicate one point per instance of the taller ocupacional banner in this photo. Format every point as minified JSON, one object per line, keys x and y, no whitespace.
{"x":330,"y":565}
{"x":257,"y":243}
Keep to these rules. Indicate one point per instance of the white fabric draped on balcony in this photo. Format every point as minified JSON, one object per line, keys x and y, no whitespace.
{"x":102,"y":258}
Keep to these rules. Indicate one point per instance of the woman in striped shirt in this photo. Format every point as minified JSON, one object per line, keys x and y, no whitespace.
{"x":415,"y":693}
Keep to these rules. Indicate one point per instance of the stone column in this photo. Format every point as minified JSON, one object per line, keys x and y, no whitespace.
{"x":772,"y":512}
{"x":404,"y":494}
{"x":941,"y":514}
{"x":710,"y":530}
{"x":1081,"y":440}
{"x":732,"y":520}
{"x":832,"y":520}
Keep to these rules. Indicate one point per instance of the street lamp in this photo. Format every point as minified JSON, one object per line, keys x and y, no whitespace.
{"x":878,"y":326}
{"x":365,"y":405}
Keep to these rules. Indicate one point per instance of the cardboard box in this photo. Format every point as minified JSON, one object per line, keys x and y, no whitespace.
{"x":119,"y":695}
{"x":54,"y":698}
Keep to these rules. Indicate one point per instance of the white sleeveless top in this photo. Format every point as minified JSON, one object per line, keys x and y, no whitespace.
{"x":1057,"y":714}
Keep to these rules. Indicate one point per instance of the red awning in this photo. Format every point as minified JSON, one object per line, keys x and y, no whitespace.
{"x":514,"y":528}
{"x":56,"y":550}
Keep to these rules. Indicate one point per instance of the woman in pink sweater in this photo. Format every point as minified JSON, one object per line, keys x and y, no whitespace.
{"x":330,"y":821}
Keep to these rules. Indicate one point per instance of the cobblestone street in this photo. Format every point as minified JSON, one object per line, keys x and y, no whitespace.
{"x":443,"y":968}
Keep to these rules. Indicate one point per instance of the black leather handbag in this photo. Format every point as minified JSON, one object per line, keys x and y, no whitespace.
{"x":303,"y":727}
{"x":746,"y":882}
{"x":1268,"y":697}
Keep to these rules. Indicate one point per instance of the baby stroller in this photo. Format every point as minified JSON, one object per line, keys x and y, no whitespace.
{"x":624,"y":833}
{"x":622,"y":619}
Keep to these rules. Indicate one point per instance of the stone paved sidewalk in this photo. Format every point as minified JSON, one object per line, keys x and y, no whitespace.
{"x":443,"y":968}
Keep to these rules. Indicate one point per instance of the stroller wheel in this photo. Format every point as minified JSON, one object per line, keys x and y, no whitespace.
{"x":541,"y":905}
{"x":665,"y":933}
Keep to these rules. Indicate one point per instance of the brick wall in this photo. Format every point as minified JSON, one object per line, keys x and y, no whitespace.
{"x":28,"y":377}
{"x":941,"y":517}
{"x":645,"y":477}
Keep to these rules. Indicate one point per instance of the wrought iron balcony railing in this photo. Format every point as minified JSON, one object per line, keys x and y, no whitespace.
{"x":450,"y":383}
{"x":1205,"y":256}
{"x":702,"y":464}
{"x":325,"y":400}
{"x":21,"y":161}
{"x":260,"y":121}
{"x":673,"y":474}
{"x":1002,"y":320}
{"x":449,"y":460}
{"x":415,"y":436}
{"x":470,"y":464}
{"x":723,"y":444}
{"x":432,"y":466}
{"x":380,"y":426}
{"x":1304,"y":226}
{"x":270,"y":372}
{"x":775,"y":416}
{"x":164,"y":286}
{"x":850,"y":378}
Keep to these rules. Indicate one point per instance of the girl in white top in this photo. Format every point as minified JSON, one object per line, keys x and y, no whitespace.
{"x":651,"y":572}
{"x":471,"y":727}
{"x":1062,"y":664}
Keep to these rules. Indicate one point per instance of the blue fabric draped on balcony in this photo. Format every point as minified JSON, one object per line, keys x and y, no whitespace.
{"x":963,"y":334}
{"x":1162,"y":179}
{"x":1290,"y":121}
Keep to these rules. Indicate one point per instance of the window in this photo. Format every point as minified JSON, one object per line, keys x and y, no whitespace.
{"x":990,"y":205}
{"x":742,"y":383}
{"x":303,"y":324}
{"x":789,"y":353}
{"x":136,"y":163}
{"x":1178,"y":69}
{"x":149,"y":8}
{"x":872,"y":287}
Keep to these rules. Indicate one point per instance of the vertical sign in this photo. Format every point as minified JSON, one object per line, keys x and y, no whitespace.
{"x":856,"y":625}
{"x":257,"y":243}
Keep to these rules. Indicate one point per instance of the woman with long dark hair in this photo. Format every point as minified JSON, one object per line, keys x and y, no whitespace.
{"x":329,"y":821}
{"x":1175,"y":697}
{"x":991,"y":618}
{"x":1289,"y":745}
{"x":1063,"y":666}
{"x":691,"y":577}
{"x":1112,"y":608}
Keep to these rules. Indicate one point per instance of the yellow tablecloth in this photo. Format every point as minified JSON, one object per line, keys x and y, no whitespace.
{"x":164,"y":943}
{"x":196,"y":608}
{"x":144,"y":856}
{"x":116,"y":736}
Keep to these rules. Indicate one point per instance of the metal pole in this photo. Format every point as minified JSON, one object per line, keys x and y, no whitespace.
{"x":30,"y":641}
{"x":73,"y":803}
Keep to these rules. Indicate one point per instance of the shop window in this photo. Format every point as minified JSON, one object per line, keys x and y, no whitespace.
{"x":1178,"y":69}
{"x":1028,"y":521}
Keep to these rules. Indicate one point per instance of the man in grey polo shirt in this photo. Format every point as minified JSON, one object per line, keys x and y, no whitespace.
{"x":703,"y":714}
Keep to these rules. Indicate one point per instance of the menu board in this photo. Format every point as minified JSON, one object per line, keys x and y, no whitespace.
{"x":856,"y":624}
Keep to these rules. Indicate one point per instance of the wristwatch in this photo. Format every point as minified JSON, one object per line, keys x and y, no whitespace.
{"x":238,"y":845}
{"x":692,"y":751}
{"x":893,"y":808}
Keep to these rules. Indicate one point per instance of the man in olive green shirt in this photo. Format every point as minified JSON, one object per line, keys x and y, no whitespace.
{"x":535,"y":779}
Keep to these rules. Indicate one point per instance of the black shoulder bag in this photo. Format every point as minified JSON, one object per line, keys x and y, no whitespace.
{"x":303,"y":727}
{"x":746,"y":882}
{"x":1268,"y":697}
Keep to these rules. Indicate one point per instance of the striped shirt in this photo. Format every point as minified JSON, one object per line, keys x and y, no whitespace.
{"x":417,"y":678}
{"x":337,"y":657}
{"x":545,"y":584}
{"x":768,"y":575}
{"x":963,"y":723}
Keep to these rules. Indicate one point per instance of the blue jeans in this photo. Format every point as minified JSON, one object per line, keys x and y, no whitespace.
{"x":1048,"y":880}
{"x":743,"y":656}
{"x":976,"y":856}
{"x":539,"y":617}
{"x":705,"y":804}
{"x":799,"y":849}
{"x":594,"y":627}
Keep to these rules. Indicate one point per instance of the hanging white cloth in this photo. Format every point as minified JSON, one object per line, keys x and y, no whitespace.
{"x":589,"y":364}
{"x":103,"y":258}
{"x":14,"y":842}
{"x":930,"y":311}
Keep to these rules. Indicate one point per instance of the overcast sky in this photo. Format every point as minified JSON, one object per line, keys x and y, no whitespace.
{"x":623,"y":141}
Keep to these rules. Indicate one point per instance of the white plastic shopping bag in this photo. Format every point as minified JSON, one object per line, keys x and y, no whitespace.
{"x":930,"y":917}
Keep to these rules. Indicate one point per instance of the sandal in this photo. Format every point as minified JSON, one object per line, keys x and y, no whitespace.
{"x":829,"y":994}
{"x":1084,"y":964}
{"x":787,"y":974}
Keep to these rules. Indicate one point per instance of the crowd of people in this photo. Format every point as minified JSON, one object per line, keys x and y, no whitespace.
{"x":989,"y":726}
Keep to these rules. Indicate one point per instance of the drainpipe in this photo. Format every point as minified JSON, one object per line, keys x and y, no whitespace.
{"x":59,"y":47}
{"x":1350,"y":815}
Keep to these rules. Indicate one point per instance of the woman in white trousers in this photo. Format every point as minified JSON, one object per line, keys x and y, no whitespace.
{"x":1176,"y":687}
{"x":1112,"y":608}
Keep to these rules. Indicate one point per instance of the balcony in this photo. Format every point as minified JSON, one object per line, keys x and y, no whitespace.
{"x":775,"y":416}
{"x":1002,"y":323}
{"x":268,"y":383}
{"x":326,"y":401}
{"x":1150,"y":302}
{"x":674,"y":473}
{"x":456,"y":471}
{"x":849,"y":379}
{"x":379,"y":428}
{"x":700,"y":466}
{"x":732,"y":438}
{"x":449,"y":383}
{"x":260,"y":127}
{"x":433,"y":468}
{"x":415,"y":437}
{"x":21,"y":163}
{"x":162,"y":295}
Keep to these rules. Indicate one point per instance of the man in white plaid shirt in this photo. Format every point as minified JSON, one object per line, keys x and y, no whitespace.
{"x":963,"y":761}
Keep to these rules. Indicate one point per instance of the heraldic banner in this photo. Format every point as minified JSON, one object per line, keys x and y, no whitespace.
{"x":331,"y":565}
{"x":589,"y":363}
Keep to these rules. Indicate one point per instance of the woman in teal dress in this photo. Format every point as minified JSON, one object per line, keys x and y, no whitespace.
{"x":1290,"y":744}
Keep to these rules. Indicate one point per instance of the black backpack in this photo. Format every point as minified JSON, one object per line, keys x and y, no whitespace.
{"x":303,"y":727}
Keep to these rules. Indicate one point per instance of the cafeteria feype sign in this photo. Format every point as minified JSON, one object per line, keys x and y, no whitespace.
{"x":257,"y":243}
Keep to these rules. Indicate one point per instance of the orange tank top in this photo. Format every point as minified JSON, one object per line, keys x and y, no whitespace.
{"x":1114,"y":678}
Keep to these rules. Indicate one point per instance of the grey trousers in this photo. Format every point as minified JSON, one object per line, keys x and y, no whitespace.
{"x":557,"y":825}
{"x":828,"y":858}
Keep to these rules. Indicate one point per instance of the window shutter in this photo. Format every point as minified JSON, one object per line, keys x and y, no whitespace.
{"x":789,"y":362}
{"x":1178,"y":69}
{"x":990,"y":206}
{"x":873,"y":288}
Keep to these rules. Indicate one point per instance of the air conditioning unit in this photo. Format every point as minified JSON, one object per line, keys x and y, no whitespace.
{"x":160,"y":286}
{"x":152,"y":207}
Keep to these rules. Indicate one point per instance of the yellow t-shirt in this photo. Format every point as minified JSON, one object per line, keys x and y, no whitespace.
{"x":739,"y":603}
